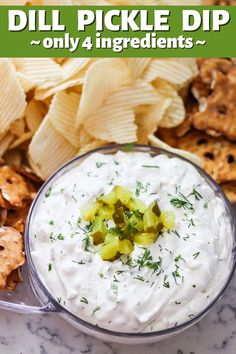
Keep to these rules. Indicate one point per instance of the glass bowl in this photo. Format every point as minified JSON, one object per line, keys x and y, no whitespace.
{"x":33,"y":297}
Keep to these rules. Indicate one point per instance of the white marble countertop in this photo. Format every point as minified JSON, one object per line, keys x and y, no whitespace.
{"x":50,"y":334}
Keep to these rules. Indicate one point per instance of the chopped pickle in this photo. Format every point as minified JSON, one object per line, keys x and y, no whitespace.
{"x":155,"y":208}
{"x":98,"y":230}
{"x":168,"y":219}
{"x":145,"y":238}
{"x":119,"y":217}
{"x":106,"y":212}
{"x":108,"y":199}
{"x":89,"y":211}
{"x":119,"y":220}
{"x":123,"y":194}
{"x":137,"y":204}
{"x":126,"y":247}
{"x":129,"y":230}
{"x":110,"y":250}
{"x":112,"y":234}
{"x":136,"y":219}
{"x":149,"y":221}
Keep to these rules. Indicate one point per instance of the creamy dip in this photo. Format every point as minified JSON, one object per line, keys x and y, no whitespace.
{"x":126,"y":295}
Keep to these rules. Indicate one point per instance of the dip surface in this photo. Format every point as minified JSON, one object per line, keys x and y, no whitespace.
{"x":127,"y":295}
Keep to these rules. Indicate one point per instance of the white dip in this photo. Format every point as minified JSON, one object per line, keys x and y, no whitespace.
{"x":194,"y":257}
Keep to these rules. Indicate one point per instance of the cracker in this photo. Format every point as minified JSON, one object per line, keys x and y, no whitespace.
{"x":13,"y":279}
{"x":13,"y":187}
{"x":215,"y":90}
{"x":11,"y":253}
{"x":218,"y":154}
{"x":3,"y":216}
{"x":230,"y":191}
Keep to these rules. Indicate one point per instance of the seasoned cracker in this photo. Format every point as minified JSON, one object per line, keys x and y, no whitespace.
{"x":11,"y":253}
{"x":230,"y":191}
{"x":3,"y":216}
{"x":13,"y":279}
{"x":13,"y":187}
{"x":219,"y":154}
{"x":215,"y":90}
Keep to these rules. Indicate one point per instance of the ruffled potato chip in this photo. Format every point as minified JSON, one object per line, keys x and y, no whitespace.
{"x":10,"y":109}
{"x":135,"y":94}
{"x":149,"y":120}
{"x":172,"y":70}
{"x":174,"y":115}
{"x":104,"y":77}
{"x":42,"y":94}
{"x":62,"y":115}
{"x":22,"y":139}
{"x":18,"y":127}
{"x":39,"y":71}
{"x":48,"y":150}
{"x":34,"y":114}
{"x":154,"y":141}
{"x":101,"y":124}
{"x":137,"y":66}
{"x":5,"y":141}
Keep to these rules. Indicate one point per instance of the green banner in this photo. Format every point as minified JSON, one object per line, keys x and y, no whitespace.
{"x":99,"y":31}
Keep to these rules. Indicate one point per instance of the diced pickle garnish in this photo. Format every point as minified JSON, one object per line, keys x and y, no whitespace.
{"x":126,"y":247}
{"x":145,"y":239}
{"x":108,"y":199}
{"x":98,"y":230}
{"x":137,"y":204}
{"x":119,"y":217}
{"x":112,"y":234}
{"x":119,"y":220}
{"x":89,"y":211}
{"x":155,"y":208}
{"x":168,"y":219}
{"x":150,"y":220}
{"x":123,"y":194}
{"x":110,"y":250}
{"x":106,"y":212}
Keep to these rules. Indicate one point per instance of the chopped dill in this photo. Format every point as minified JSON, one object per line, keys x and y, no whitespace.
{"x":100,"y":164}
{"x":138,"y":277}
{"x":195,"y":255}
{"x":84,"y":300}
{"x":141,"y":188}
{"x":196,"y":194}
{"x":166,"y":283}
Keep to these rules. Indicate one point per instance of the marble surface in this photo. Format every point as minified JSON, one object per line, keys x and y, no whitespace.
{"x":50,"y":334}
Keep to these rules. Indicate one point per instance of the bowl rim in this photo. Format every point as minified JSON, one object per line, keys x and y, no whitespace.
{"x":60,"y":309}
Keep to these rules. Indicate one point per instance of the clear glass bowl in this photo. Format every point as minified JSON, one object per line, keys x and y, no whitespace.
{"x":32,"y":296}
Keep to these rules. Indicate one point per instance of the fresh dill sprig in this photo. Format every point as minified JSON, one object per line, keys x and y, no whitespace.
{"x":100,"y":164}
{"x":195,"y":255}
{"x":84,"y":300}
{"x":181,"y":201}
{"x":138,"y":277}
{"x":196,"y":194}
{"x":97,"y":308}
{"x":140,"y":187}
{"x":166,"y":283}
{"x":146,"y":260}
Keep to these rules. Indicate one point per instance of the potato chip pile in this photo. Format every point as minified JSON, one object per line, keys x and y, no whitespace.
{"x":55,"y":109}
